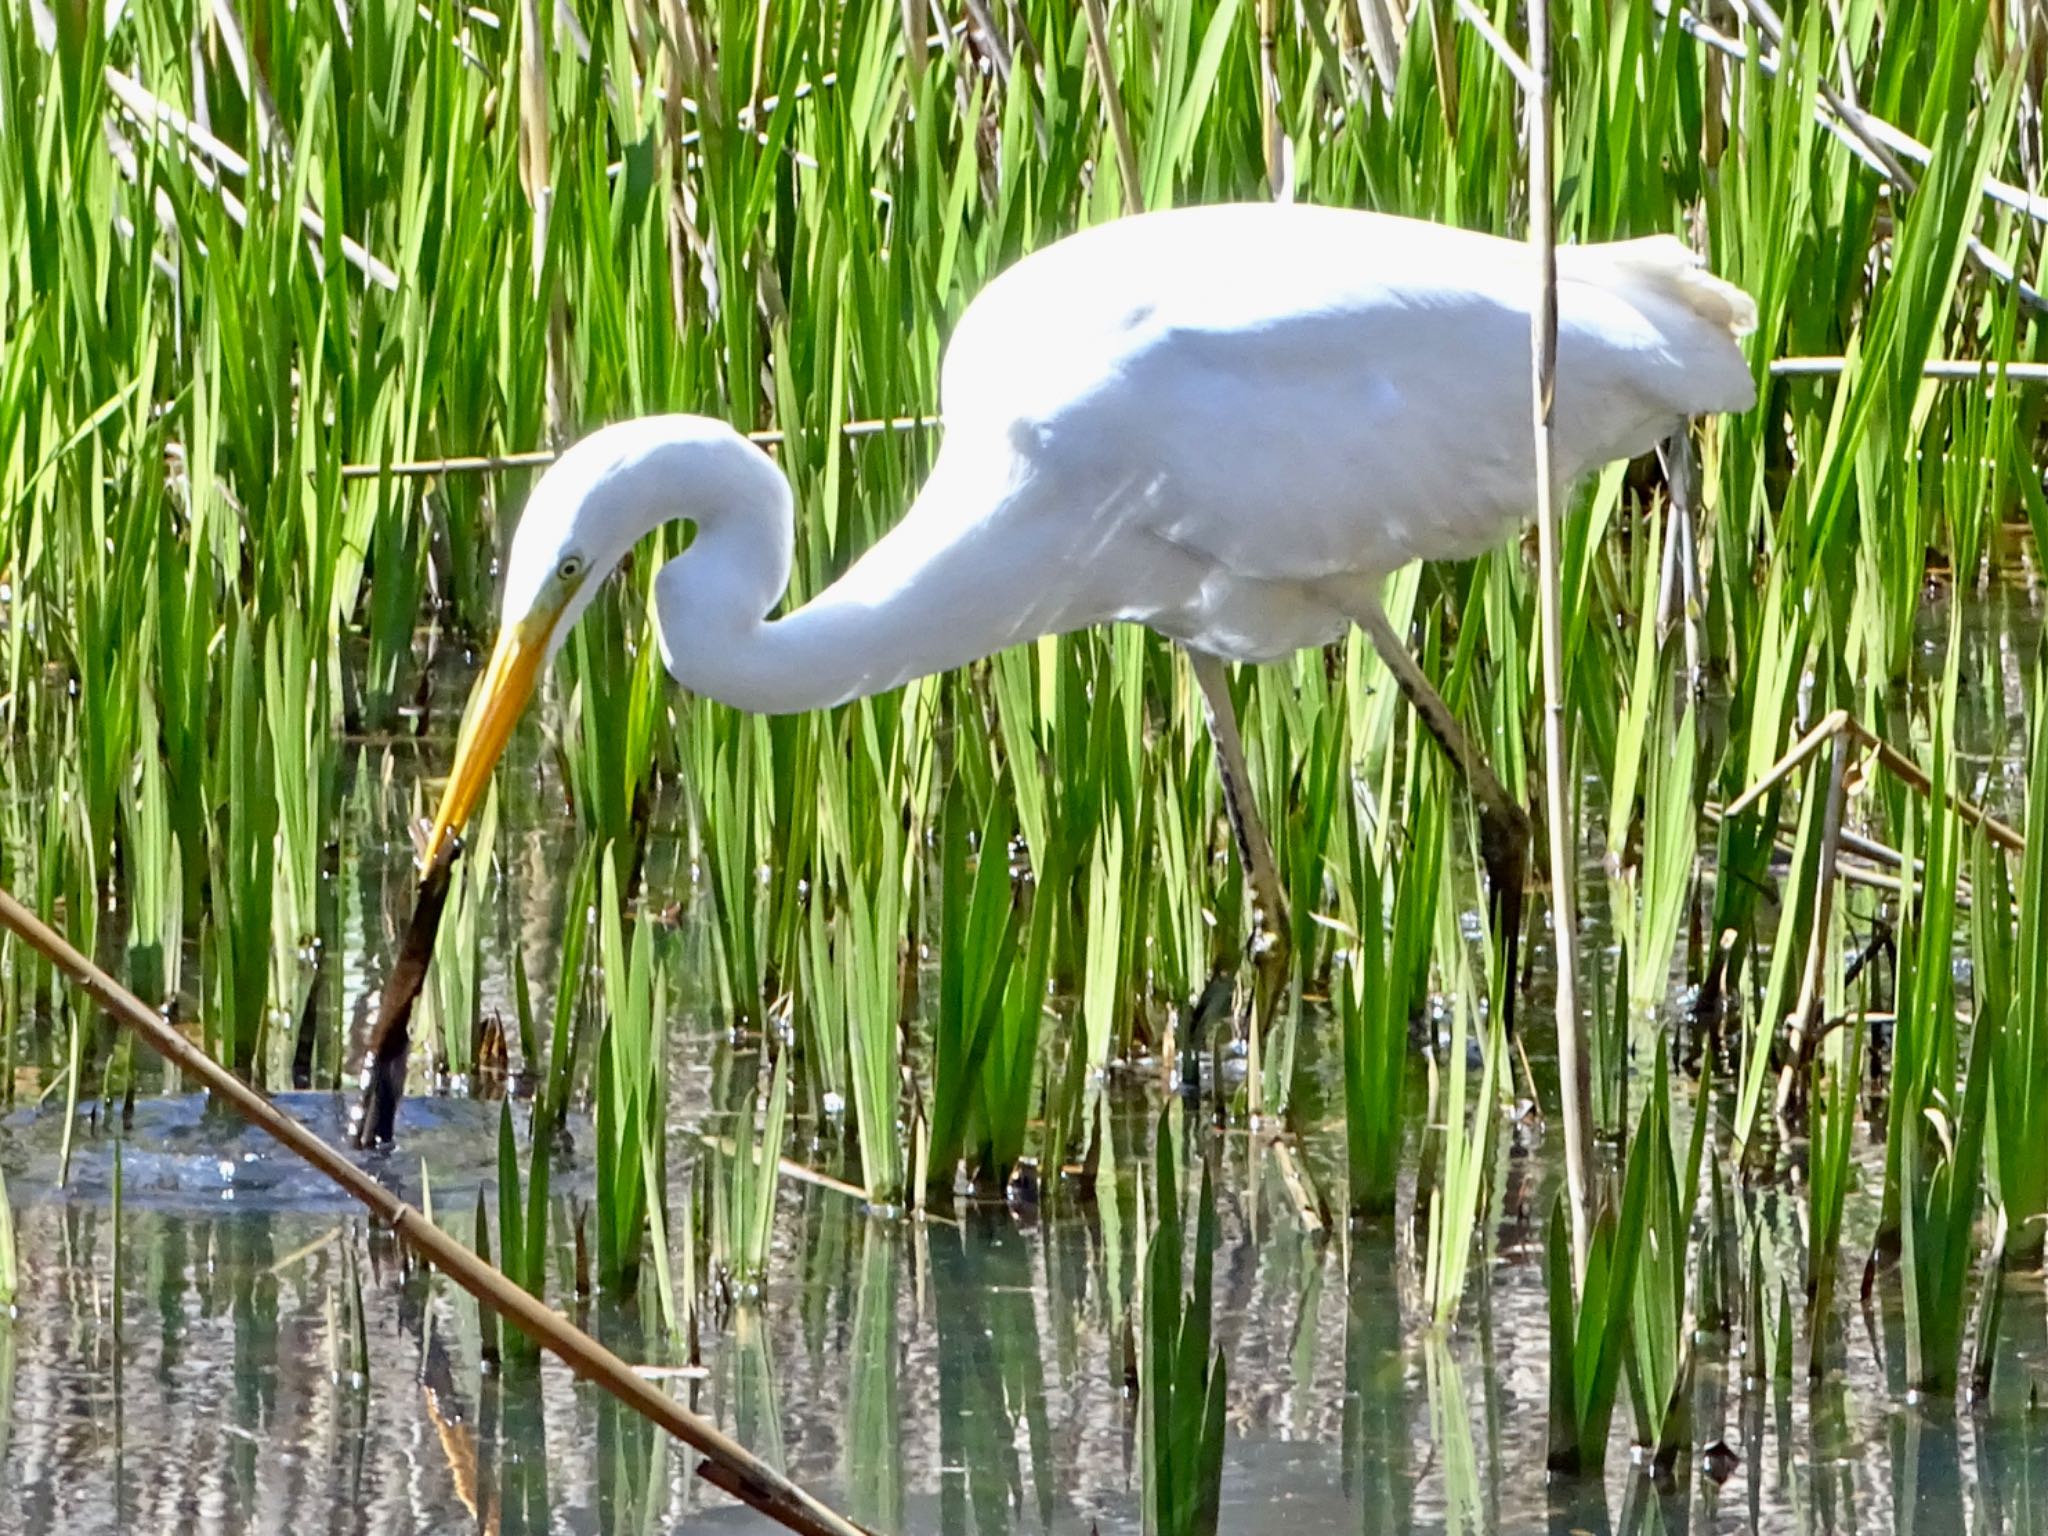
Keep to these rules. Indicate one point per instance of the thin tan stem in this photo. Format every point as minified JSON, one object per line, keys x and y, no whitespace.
{"x":789,"y":1168}
{"x":1277,"y":179}
{"x":1958,"y":370}
{"x":539,"y":458}
{"x":1908,"y":770}
{"x":1860,"y":128}
{"x":1947,"y":370}
{"x":1841,"y":722}
{"x":1808,"y":1010}
{"x":1113,"y":107}
{"x":1832,"y":724}
{"x":1574,"y":1066}
{"x":728,"y":1464}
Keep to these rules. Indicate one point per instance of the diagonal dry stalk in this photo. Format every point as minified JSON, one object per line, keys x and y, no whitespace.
{"x":790,"y":1168}
{"x":1877,"y":143}
{"x":1574,"y":1067}
{"x":540,"y":458}
{"x":1806,"y":1013}
{"x":1113,"y":106}
{"x":1888,"y":135}
{"x":1878,"y":151}
{"x":209,"y":156}
{"x":537,"y":177}
{"x":1381,"y":27}
{"x":1501,"y":48}
{"x":727,"y":1464}
{"x":1841,"y":723}
{"x":1844,"y":732}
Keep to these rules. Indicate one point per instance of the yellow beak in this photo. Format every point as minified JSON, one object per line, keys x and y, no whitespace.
{"x":494,"y":708}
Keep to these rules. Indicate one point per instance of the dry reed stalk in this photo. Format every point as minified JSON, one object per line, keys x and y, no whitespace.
{"x":727,"y":1465}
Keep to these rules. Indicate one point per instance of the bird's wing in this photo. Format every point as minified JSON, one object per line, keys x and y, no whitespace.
{"x":1294,"y":394}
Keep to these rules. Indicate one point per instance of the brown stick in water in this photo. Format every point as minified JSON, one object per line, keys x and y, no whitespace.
{"x":727,"y":1464}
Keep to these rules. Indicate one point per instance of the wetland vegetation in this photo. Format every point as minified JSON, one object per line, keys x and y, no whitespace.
{"x":876,"y":1076}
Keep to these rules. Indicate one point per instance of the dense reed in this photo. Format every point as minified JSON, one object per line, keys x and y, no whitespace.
{"x":241,"y":278}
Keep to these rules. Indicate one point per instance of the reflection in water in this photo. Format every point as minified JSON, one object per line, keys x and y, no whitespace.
{"x":1377,"y":1401}
{"x":1450,"y":1427}
{"x":2012,"y":1474}
{"x":522,"y":1452}
{"x":955,"y":1377}
{"x":991,"y":1378}
{"x":1927,"y":1465}
{"x":872,"y":1472}
{"x":279,"y":1368}
{"x":1832,"y":1487}
{"x":756,"y":1414}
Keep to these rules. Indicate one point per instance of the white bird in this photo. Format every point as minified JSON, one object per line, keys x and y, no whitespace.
{"x":1229,"y":423}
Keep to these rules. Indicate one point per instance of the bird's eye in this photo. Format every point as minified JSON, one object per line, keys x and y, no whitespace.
{"x":569,"y":569}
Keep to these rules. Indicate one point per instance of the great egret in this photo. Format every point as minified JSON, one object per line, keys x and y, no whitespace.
{"x":1228,"y":423}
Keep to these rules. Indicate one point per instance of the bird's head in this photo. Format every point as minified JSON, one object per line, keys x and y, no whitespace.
{"x":592,"y":505}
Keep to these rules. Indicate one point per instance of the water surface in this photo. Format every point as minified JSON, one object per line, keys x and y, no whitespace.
{"x":248,"y":1354}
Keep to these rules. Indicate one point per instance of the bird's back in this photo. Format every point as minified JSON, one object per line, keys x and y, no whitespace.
{"x":1274,"y":286}
{"x":1204,"y":415}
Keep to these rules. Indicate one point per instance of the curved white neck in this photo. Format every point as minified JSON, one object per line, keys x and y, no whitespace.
{"x":930,"y":596}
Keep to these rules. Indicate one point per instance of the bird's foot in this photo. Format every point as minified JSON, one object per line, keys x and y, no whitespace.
{"x":1504,"y":847}
{"x":1256,"y":1009}
{"x":1272,"y":958}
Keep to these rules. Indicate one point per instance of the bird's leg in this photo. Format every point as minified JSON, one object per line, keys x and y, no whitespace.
{"x":1269,"y":935}
{"x":1503,"y":823}
{"x":1679,"y":597}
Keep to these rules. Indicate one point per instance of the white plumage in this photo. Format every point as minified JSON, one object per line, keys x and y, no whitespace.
{"x":1228,"y":423}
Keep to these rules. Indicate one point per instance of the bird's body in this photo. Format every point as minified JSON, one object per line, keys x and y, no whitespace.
{"x":1227,"y":423}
